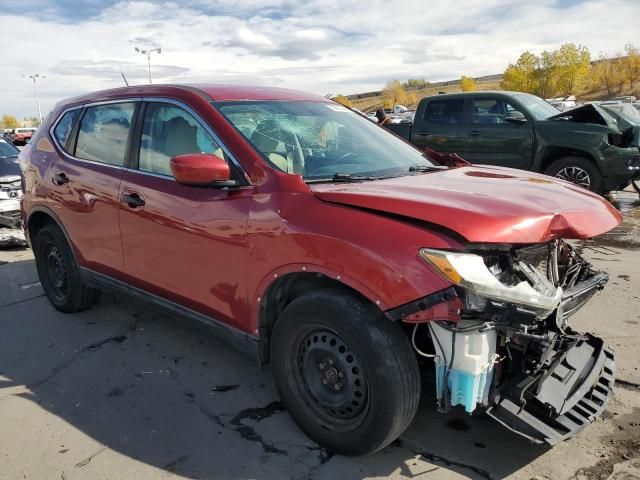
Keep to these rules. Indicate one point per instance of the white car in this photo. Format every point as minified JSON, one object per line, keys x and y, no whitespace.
{"x":10,"y":185}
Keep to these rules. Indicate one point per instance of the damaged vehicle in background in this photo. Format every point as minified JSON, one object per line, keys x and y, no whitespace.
{"x":335,"y":252}
{"x":585,"y":145}
{"x":10,"y":194}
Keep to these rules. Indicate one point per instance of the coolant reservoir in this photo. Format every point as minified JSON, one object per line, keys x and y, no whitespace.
{"x":470,"y":375}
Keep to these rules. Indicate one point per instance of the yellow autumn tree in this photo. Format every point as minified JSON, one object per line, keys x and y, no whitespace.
{"x":394,"y":94}
{"x":609,"y":73}
{"x":343,"y":100}
{"x":9,"y":121}
{"x":631,"y":64}
{"x":572,"y":63}
{"x":467,"y":84}
{"x":520,"y":76}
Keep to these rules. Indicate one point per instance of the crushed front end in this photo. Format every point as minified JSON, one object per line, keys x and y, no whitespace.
{"x":501,"y":342}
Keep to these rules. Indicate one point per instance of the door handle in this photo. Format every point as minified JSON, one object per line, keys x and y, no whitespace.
{"x":60,"y":179}
{"x":133,"y":200}
{"x":474,"y":133}
{"x":423,"y":133}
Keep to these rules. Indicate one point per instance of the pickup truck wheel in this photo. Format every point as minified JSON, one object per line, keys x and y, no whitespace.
{"x":578,"y":170}
{"x":58,"y":272}
{"x":346,"y":374}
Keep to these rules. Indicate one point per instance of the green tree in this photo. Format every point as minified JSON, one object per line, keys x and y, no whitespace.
{"x":572,"y":64}
{"x":467,"y":84}
{"x":343,"y":100}
{"x":393,"y":93}
{"x":9,"y":121}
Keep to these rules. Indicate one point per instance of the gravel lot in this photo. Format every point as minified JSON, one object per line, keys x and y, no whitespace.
{"x":122,"y":391}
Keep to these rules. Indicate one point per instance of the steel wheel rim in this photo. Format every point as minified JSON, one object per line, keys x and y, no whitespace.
{"x":331,"y":379}
{"x":56,"y":272}
{"x":575,"y":175}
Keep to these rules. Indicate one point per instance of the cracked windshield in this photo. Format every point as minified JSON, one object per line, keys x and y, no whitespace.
{"x":321,"y":140}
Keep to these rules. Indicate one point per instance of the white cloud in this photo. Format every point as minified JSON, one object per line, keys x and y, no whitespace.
{"x":321,"y":46}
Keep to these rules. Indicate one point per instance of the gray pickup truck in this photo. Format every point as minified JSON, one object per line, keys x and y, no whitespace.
{"x":590,"y":146}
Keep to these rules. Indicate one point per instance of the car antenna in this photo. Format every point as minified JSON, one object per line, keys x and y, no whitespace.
{"x":125,"y":79}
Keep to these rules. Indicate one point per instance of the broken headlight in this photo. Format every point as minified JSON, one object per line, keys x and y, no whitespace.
{"x":524,"y":286}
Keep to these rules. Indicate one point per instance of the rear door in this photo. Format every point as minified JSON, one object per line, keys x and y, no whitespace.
{"x":182,"y":243}
{"x":490,"y":137}
{"x":85,"y":180}
{"x":438,"y":125}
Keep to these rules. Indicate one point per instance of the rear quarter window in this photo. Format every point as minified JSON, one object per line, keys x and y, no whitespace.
{"x":103,"y":134}
{"x":63,"y":128}
{"x":445,"y":111}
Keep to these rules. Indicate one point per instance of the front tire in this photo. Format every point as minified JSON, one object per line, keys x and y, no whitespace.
{"x":58,"y":272}
{"x":579,"y":170}
{"x":346,"y":374}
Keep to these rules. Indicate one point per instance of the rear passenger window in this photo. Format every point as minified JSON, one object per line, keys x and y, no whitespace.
{"x":64,"y":126}
{"x":445,"y":111}
{"x":169,"y":131}
{"x":491,"y":110}
{"x":103,"y":133}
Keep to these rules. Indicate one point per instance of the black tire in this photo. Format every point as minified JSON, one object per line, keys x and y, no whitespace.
{"x":58,"y":272}
{"x":374,"y":372}
{"x":578,"y":170}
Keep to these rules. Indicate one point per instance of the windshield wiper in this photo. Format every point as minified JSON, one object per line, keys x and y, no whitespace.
{"x":426,"y":168}
{"x":352,"y":177}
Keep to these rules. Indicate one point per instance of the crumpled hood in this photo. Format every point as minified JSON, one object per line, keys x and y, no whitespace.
{"x":597,"y":115}
{"x":484,"y":204}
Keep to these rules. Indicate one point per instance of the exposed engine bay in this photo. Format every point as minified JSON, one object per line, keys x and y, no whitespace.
{"x":500,"y":338}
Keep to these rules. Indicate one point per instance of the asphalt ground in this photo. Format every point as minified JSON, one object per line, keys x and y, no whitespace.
{"x":122,"y":391}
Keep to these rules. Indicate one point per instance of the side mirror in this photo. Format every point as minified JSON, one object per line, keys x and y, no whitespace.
{"x":515,"y":117}
{"x":201,"y":170}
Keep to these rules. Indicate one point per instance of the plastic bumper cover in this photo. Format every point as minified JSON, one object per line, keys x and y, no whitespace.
{"x":570,"y":396}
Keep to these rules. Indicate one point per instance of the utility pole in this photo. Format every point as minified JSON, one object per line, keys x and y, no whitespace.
{"x":148,"y":53}
{"x":34,"y":77}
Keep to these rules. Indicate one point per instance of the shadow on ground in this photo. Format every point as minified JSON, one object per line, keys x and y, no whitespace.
{"x":167,"y":393}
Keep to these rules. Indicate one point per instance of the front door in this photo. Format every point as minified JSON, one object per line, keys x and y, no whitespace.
{"x":497,"y":133}
{"x":185,"y":244}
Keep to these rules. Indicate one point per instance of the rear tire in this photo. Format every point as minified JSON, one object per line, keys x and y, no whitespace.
{"x":58,"y":272}
{"x":346,"y":373}
{"x":579,"y":170}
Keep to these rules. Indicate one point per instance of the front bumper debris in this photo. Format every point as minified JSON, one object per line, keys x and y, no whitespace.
{"x":566,"y":398}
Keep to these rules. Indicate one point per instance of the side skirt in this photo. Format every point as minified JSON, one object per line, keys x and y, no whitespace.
{"x":239,"y":339}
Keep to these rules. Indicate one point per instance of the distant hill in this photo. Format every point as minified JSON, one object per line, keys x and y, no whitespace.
{"x":369,"y":101}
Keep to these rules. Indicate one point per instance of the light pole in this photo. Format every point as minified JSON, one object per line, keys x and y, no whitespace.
{"x":148,"y":53}
{"x":33,"y":77}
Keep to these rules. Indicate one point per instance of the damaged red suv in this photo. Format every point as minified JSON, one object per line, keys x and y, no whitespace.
{"x":330,"y":249}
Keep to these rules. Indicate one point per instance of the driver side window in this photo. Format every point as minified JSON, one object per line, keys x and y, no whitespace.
{"x":169,"y":131}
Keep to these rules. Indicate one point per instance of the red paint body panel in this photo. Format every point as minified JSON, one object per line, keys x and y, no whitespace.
{"x":216,"y":251}
{"x":485,"y":204}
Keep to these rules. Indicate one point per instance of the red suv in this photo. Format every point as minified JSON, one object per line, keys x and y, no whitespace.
{"x":330,"y":249}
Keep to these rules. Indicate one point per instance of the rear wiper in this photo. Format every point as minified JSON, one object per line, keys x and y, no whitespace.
{"x":426,"y":168}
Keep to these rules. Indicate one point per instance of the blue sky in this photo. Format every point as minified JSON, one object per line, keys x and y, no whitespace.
{"x":328,"y":46}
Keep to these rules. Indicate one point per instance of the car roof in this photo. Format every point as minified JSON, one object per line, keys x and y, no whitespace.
{"x":503,"y":93}
{"x":216,"y":92}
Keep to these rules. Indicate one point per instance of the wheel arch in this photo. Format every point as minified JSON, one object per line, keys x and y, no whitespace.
{"x":553,"y":153}
{"x":39,"y":217}
{"x":285,"y":288}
